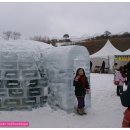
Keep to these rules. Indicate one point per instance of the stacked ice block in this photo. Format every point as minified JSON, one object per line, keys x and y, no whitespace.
{"x":22,"y":81}
{"x":62,"y":63}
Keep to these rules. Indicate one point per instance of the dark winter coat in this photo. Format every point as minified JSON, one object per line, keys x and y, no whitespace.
{"x":128,"y":73}
{"x":103,"y":64}
{"x":80,"y":89}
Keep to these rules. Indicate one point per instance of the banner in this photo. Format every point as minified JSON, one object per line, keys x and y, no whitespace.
{"x":122,"y":57}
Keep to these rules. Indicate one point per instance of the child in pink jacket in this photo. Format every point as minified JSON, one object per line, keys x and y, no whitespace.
{"x":120,"y":77}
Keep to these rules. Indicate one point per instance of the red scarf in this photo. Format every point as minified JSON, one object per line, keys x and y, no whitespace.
{"x":82,"y":79}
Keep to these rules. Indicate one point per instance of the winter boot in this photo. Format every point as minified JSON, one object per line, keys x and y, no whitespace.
{"x":79,"y":111}
{"x":83,"y":111}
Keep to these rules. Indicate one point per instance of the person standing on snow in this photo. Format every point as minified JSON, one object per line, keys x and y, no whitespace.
{"x":91,"y":64}
{"x":103,"y":67}
{"x":128,"y":75}
{"x":81,"y":87}
{"x":126,"y":119}
{"x":115,"y":67}
{"x":120,"y":78}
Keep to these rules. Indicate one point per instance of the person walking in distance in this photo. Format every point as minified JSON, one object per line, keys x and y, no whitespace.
{"x":103,"y":67}
{"x":91,"y":64}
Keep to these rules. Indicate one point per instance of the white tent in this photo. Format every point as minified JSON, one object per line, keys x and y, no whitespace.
{"x":107,"y":50}
{"x":105,"y":54}
{"x":127,"y":52}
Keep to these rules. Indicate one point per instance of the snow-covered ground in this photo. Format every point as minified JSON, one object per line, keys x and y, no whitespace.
{"x":106,"y":110}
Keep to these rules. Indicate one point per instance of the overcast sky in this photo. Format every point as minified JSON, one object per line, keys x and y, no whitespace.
{"x":56,"y":19}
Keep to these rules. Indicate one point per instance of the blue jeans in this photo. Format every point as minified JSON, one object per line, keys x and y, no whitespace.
{"x":81,"y":102}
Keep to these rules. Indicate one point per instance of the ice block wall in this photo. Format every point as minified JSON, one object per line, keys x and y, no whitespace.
{"x":23,"y":81}
{"x":62,"y":63}
{"x":27,"y":77}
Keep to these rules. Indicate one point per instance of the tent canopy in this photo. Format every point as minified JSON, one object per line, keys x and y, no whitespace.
{"x":107,"y":50}
{"x":127,"y":52}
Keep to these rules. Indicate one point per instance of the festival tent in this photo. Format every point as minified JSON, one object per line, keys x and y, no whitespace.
{"x":123,"y":58}
{"x":107,"y":50}
{"x":105,"y":54}
{"x":127,"y":52}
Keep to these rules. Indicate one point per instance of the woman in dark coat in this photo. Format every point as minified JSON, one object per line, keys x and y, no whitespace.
{"x":128,"y":75}
{"x":81,"y":87}
{"x":126,"y":119}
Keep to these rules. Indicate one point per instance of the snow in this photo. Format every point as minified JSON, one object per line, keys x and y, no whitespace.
{"x":82,"y":38}
{"x":106,"y":110}
{"x":22,"y":45}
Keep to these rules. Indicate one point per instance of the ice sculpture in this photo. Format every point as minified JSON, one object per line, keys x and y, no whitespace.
{"x":23,"y":77}
{"x":29,"y":70}
{"x":62,"y":63}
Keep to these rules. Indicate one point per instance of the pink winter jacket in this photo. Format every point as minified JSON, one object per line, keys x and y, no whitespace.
{"x":119,"y":78}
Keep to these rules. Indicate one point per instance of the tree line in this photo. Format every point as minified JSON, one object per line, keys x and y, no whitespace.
{"x":65,"y":40}
{"x":108,"y":34}
{"x":52,"y":41}
{"x":7,"y":35}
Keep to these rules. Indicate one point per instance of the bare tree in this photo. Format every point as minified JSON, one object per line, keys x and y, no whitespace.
{"x":53,"y":42}
{"x":41,"y":39}
{"x":7,"y":35}
{"x":126,"y":34}
{"x":45,"y":39}
{"x":16,"y":35}
{"x":36,"y":38}
{"x":66,"y":36}
{"x":107,"y":33}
